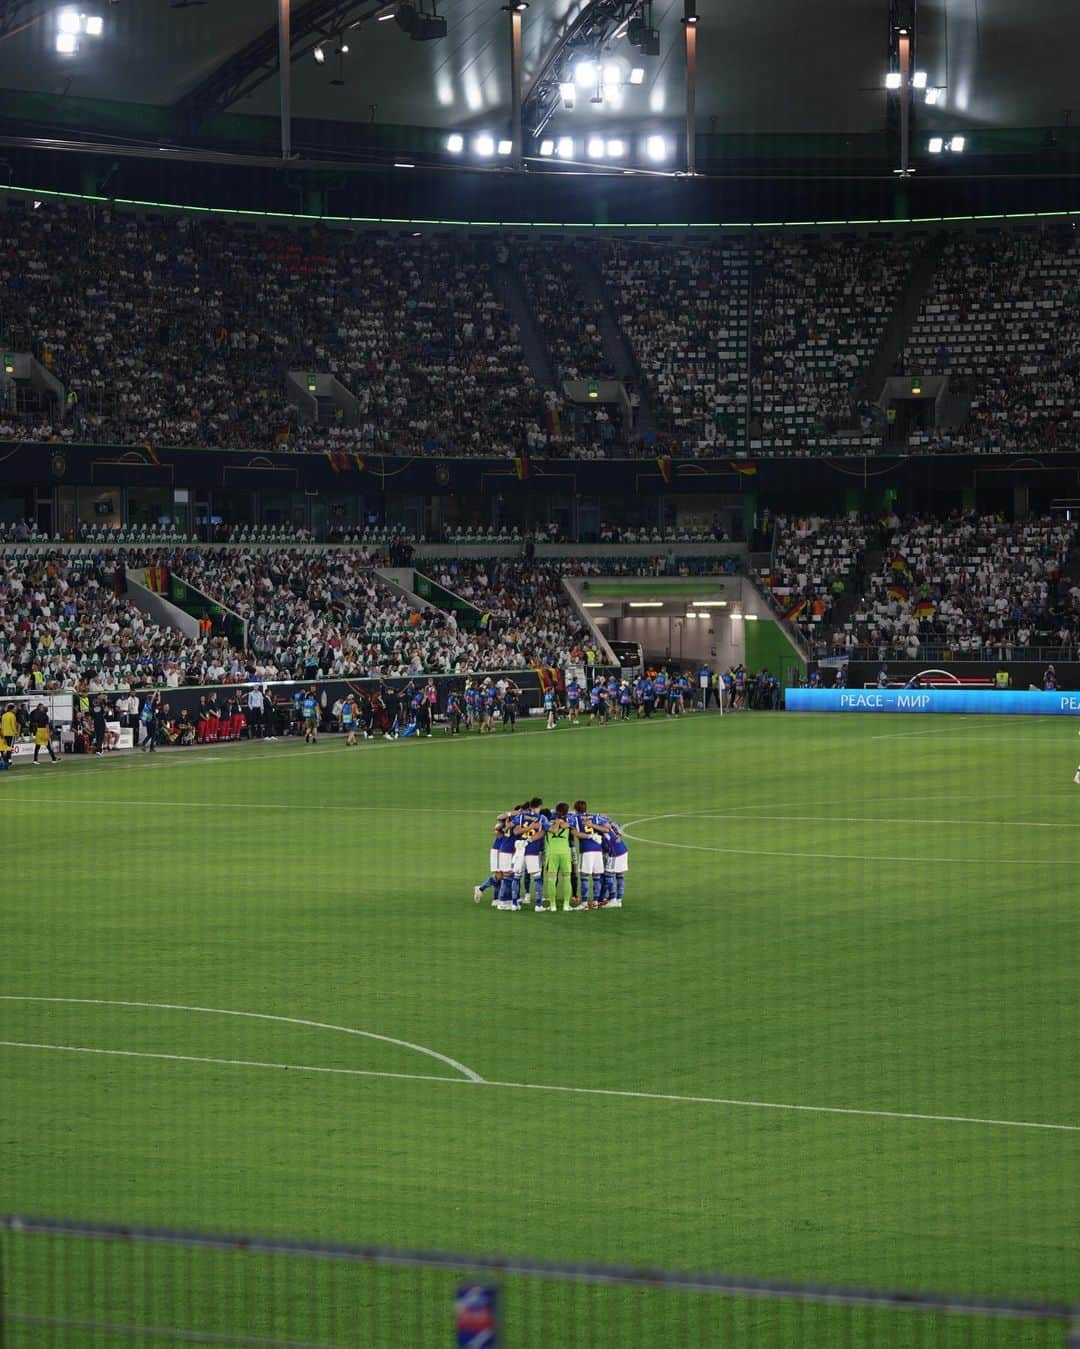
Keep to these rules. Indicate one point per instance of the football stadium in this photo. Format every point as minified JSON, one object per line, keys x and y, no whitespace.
{"x":597,"y":460}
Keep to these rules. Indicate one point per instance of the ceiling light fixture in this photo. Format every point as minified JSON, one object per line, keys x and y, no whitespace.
{"x":455,"y":143}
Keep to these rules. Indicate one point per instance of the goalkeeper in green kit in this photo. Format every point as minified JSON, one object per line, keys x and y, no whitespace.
{"x":557,"y":863}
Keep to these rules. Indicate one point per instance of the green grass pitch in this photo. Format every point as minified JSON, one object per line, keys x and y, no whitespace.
{"x":868,"y":914}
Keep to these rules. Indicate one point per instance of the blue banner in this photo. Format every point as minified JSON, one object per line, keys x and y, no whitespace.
{"x":475,"y":1309}
{"x":969,"y":701}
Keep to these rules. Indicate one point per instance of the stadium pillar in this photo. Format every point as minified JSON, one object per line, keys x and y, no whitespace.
{"x":690,"y":33}
{"x":517,"y":152}
{"x":285,"y":75}
{"x":904,"y":47}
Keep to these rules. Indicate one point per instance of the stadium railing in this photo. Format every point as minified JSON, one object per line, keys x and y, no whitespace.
{"x":77,"y":1283}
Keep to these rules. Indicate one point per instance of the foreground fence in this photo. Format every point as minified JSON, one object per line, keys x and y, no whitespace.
{"x":76,"y":1284}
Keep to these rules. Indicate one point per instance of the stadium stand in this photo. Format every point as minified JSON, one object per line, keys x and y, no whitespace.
{"x":815,"y":560}
{"x":686,"y":314}
{"x":185,"y":330}
{"x":1001,"y":319}
{"x":967,"y":583}
{"x":819,"y":308}
{"x":310,"y":613}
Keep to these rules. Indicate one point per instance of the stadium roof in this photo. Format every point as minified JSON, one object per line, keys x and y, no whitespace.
{"x":765,"y":66}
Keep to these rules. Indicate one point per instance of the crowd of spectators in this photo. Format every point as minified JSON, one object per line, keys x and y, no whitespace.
{"x":570,"y":324}
{"x":819,"y":310}
{"x":180,"y":331}
{"x":1002,"y":320}
{"x":966,"y":583}
{"x":67,"y":620}
{"x":815,"y":560}
{"x":525,"y":605}
{"x":685,"y":312}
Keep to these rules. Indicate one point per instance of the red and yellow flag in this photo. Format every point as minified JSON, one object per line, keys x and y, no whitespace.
{"x":664,"y":465}
{"x":521,"y":466}
{"x":745,"y":470}
{"x":795,"y":610}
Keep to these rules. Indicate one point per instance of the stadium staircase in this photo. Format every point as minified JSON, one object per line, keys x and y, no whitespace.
{"x":897,"y":330}
{"x":617,"y":349}
{"x":511,"y":294}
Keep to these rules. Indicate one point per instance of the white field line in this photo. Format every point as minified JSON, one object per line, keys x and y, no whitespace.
{"x":849,"y":819}
{"x":733,"y":1102}
{"x":254,"y":1016}
{"x":841,"y":856}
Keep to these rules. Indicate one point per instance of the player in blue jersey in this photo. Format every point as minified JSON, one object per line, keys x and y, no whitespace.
{"x":573,"y":700}
{"x":309,"y":708}
{"x":454,"y":712}
{"x":589,"y":830}
{"x":597,"y":705}
{"x":660,"y":687}
{"x":533,"y":832}
{"x":626,"y":700}
{"x":500,"y":856}
{"x":616,"y":865}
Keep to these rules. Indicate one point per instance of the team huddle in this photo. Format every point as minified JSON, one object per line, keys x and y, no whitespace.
{"x":569,"y":856}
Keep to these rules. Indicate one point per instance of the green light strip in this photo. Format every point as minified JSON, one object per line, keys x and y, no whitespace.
{"x":44,"y":192}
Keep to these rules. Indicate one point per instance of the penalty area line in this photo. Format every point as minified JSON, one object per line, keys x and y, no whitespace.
{"x":732,"y":1102}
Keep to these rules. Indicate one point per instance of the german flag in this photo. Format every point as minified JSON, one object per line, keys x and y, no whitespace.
{"x":899,"y":563}
{"x":664,"y":465}
{"x":745,"y":470}
{"x":521,"y":466}
{"x":358,"y":460}
{"x":795,"y":610}
{"x":899,"y":592}
{"x":153,"y":454}
{"x":925,"y":609}
{"x":331,"y":455}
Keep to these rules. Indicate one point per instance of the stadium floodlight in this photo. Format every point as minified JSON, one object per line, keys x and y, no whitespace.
{"x":564,"y":147}
{"x":656,"y":148}
{"x":504,"y":147}
{"x":585,"y":74}
{"x":319,"y":54}
{"x":936,"y":145}
{"x":892,"y":80}
{"x":484,"y":146}
{"x":95,"y":25}
{"x":66,"y":43}
{"x":567,"y":92}
{"x":616,"y":149}
{"x":547,"y":149}
{"x":637,"y":75}
{"x":918,"y":80}
{"x":611,"y":75}
{"x":68,"y":21}
{"x":400,"y":164}
{"x":933,"y":96}
{"x":646,"y":604}
{"x":455,"y":143}
{"x":594,"y":147}
{"x":957,"y":144}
